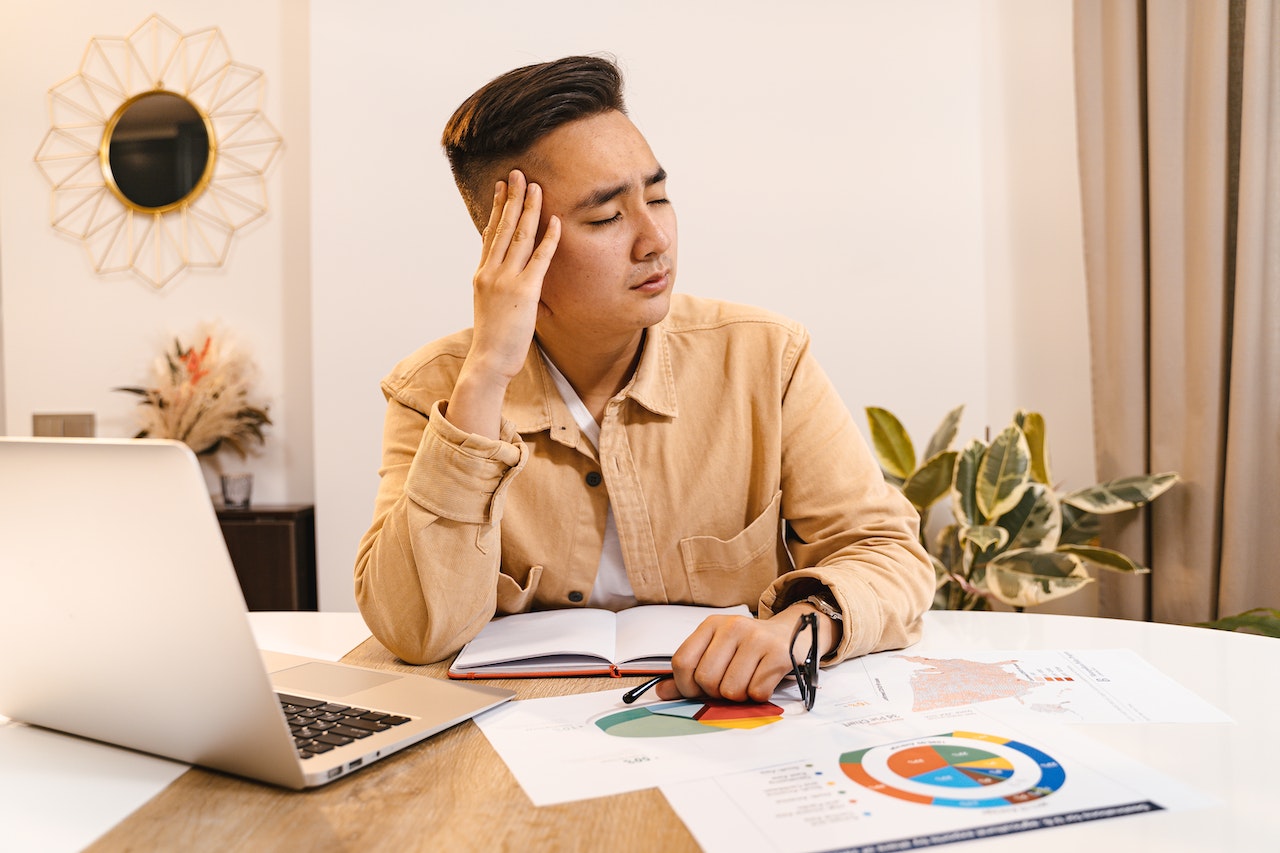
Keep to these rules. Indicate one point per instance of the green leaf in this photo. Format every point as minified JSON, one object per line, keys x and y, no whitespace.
{"x":892,"y":444}
{"x":1003,"y":474}
{"x":1078,"y":527}
{"x":1260,"y":620}
{"x":984,"y":536}
{"x":941,"y":576}
{"x":1122,"y":494}
{"x":945,"y":433}
{"x":1104,"y":558}
{"x":1028,"y":577}
{"x":932,"y":481}
{"x":1036,"y":521}
{"x":1033,"y":428}
{"x":964,"y":484}
{"x":949,"y":550}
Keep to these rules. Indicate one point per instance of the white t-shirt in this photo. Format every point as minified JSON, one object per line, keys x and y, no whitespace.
{"x":612,"y":589}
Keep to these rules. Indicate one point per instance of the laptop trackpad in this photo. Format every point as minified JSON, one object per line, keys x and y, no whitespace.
{"x":328,"y":679}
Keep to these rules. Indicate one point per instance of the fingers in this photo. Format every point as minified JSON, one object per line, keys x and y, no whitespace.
{"x":495,"y":213}
{"x":507,"y":285}
{"x":513,"y":222}
{"x":546,"y":249}
{"x":730,"y":657}
{"x":684,"y":663}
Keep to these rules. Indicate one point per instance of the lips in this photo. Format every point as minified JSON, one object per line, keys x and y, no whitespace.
{"x":654,"y":282}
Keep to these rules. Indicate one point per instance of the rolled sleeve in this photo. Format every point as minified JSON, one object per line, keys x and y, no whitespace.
{"x":460,"y":476}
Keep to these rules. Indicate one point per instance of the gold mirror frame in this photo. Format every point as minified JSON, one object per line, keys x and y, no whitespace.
{"x":157,"y":244}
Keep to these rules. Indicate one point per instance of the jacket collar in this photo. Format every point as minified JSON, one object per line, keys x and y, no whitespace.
{"x":533,"y":404}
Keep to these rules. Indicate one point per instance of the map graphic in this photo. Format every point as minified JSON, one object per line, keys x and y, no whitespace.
{"x":951,"y":682}
{"x":688,"y":717}
{"x":957,"y":769}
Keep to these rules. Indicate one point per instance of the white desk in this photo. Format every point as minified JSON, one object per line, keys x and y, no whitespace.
{"x":419,"y":798}
{"x":1236,"y":763}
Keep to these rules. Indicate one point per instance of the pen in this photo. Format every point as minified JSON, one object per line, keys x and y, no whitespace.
{"x":635,"y":692}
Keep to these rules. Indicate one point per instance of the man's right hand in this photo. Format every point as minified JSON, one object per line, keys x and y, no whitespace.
{"x":507,"y":293}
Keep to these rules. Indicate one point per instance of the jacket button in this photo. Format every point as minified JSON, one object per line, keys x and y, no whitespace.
{"x":575,"y":596}
{"x":594,"y":479}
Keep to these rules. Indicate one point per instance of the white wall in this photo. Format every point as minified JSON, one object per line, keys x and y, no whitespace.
{"x":899,"y":176}
{"x":1038,"y":340}
{"x":70,"y":335}
{"x":1037,"y":347}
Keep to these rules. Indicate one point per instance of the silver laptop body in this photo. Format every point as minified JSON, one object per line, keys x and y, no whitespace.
{"x":121,"y":620}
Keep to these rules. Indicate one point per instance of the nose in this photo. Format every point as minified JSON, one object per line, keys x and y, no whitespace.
{"x":653,"y":235}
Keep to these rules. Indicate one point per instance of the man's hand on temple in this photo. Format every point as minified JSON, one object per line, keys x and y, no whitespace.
{"x":508,"y":289}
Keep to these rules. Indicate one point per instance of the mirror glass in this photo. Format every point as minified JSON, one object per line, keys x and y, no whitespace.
{"x":155,"y":151}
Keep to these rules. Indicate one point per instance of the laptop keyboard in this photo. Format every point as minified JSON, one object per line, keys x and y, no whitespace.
{"x":319,"y":726}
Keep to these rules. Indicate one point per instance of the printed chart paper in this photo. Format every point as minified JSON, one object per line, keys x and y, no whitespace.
{"x":590,"y":745}
{"x":922,"y":791}
{"x":1093,"y":686}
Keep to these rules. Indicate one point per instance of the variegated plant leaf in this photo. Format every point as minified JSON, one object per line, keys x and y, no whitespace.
{"x":1003,"y":474}
{"x":945,"y":433}
{"x":978,"y":582}
{"x":946,"y":594}
{"x":1078,"y":527}
{"x":1260,"y":620}
{"x":949,"y":550}
{"x":1122,"y":494}
{"x":984,"y":536}
{"x":1036,"y":521}
{"x":941,"y":576}
{"x":892,"y":445}
{"x":964,"y":484}
{"x":1032,"y":424}
{"x":1029,"y":577}
{"x":1104,"y":558}
{"x":924,"y":487}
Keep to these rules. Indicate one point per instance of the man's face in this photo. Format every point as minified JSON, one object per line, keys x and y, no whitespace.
{"x":615,"y":266}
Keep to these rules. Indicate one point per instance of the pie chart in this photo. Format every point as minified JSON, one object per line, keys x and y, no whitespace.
{"x":688,"y":717}
{"x":957,"y":769}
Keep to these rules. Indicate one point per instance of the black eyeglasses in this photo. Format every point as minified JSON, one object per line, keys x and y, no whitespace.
{"x":806,"y":671}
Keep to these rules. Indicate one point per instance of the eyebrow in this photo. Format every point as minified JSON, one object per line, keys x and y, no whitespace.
{"x":608,"y":194}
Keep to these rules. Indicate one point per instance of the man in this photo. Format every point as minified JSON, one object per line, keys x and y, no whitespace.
{"x":596,"y":440}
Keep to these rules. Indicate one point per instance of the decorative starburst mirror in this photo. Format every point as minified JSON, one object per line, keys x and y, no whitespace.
{"x":158,"y":151}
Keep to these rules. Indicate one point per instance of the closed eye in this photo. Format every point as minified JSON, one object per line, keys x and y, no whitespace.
{"x":618,"y":215}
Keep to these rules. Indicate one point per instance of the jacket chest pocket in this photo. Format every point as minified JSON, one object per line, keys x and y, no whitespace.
{"x":723,"y":572}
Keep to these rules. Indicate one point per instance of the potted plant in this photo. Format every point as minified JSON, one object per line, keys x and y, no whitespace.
{"x":1014,"y":537}
{"x":200,"y":395}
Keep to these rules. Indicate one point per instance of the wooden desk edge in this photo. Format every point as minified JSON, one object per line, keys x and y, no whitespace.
{"x":451,"y":792}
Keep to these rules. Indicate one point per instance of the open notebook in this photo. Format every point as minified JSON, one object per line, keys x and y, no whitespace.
{"x":121,"y":620}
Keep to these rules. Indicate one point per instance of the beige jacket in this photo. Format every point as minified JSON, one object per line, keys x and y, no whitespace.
{"x":728,"y":459}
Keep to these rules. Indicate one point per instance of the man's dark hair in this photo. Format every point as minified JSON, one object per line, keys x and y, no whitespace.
{"x":510,"y":113}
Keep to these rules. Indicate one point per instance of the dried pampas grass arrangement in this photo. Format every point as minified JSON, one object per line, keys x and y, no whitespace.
{"x":200,"y":396}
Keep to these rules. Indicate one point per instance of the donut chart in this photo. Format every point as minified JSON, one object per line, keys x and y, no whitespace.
{"x":957,"y":769}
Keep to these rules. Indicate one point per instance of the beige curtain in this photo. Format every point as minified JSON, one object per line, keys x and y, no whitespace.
{"x":1179,"y":133}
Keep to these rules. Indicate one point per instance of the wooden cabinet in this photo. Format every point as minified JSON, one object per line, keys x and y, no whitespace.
{"x":273,"y":548}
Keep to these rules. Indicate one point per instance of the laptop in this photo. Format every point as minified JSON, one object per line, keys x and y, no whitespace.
{"x":121,"y":620}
